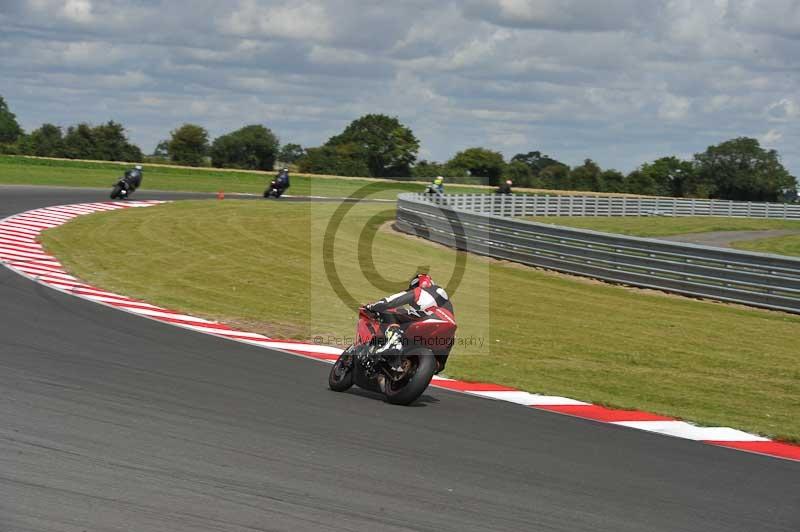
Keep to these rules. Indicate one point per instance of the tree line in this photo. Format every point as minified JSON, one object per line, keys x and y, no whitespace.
{"x":377,"y":145}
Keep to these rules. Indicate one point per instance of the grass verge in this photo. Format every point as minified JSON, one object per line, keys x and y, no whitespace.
{"x":261,"y":266}
{"x":56,"y":172}
{"x":654,"y":226}
{"x":782,"y":245}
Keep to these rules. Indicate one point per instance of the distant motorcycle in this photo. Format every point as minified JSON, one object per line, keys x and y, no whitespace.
{"x":504,"y":188}
{"x":433,"y":190}
{"x":274,"y":190}
{"x":278,"y":185}
{"x":405,"y":375}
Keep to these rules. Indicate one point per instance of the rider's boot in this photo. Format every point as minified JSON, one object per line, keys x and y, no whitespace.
{"x":394,"y":341}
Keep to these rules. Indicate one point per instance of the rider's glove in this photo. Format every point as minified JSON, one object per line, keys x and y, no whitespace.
{"x":371,"y":309}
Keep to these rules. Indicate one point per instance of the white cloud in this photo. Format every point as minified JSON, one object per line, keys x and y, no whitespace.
{"x":151,"y":101}
{"x":302,"y":20}
{"x":509,"y":139}
{"x":568,"y":15}
{"x":783,"y":110}
{"x":781,"y":17}
{"x":770,"y":138}
{"x":78,"y":10}
{"x":674,"y":107}
{"x":126,"y":80}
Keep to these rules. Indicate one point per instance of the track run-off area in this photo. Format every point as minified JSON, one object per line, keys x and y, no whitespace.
{"x":113,"y":422}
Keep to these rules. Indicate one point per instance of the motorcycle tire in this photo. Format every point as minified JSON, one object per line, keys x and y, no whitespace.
{"x":340,"y":378}
{"x":409,"y":390}
{"x":115,"y":191}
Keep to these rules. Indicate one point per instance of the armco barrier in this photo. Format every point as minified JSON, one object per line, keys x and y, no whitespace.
{"x":768,"y":281}
{"x":576,"y":205}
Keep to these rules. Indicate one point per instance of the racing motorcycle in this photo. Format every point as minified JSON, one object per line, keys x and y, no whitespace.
{"x":407,"y":374}
{"x":433,"y":190}
{"x":273,"y":190}
{"x":122,"y":189}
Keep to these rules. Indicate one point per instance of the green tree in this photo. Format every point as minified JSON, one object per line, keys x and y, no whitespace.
{"x":429,"y":169}
{"x":535,"y":160}
{"x":252,"y":147}
{"x":291,"y":153}
{"x":740,"y":169}
{"x":389,"y":147}
{"x":162,"y":149}
{"x":521,"y":174}
{"x":188,"y":145}
{"x":670,"y":176}
{"x":47,"y":141}
{"x":555,"y":177}
{"x":106,"y":142}
{"x":10,"y":131}
{"x":111,"y":144}
{"x":342,"y":159}
{"x":480,"y":162}
{"x":612,"y":181}
{"x":586,"y":176}
{"x":638,"y":182}
{"x":79,"y":142}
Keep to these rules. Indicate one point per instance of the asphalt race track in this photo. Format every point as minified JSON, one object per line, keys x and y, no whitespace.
{"x":113,"y":422}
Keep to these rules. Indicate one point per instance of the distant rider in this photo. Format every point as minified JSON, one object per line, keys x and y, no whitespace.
{"x":505,"y":187}
{"x":282,"y":180}
{"x":132,"y":179}
{"x":438,"y":184}
{"x":436,"y":187}
{"x":399,"y":310}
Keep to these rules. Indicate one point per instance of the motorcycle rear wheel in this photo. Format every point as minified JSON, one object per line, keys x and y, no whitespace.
{"x":408,"y":389}
{"x":340,"y":378}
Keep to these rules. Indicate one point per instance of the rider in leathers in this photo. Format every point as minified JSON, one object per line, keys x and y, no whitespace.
{"x":134,"y":177}
{"x":399,"y":310}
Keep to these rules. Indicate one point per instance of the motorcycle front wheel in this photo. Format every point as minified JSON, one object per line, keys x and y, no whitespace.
{"x":419,"y":365}
{"x":115,"y":191}
{"x":341,"y":376}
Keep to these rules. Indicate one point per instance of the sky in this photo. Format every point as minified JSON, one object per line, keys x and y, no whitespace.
{"x":619,"y":81}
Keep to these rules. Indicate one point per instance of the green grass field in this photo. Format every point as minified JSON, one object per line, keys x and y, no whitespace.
{"x":656,"y":226}
{"x":261,"y":266}
{"x":783,"y":245}
{"x":29,"y":171}
{"x":665,"y":225}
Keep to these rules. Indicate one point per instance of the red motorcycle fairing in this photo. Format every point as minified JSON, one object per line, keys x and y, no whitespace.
{"x":435,"y":332}
{"x":367,"y":328}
